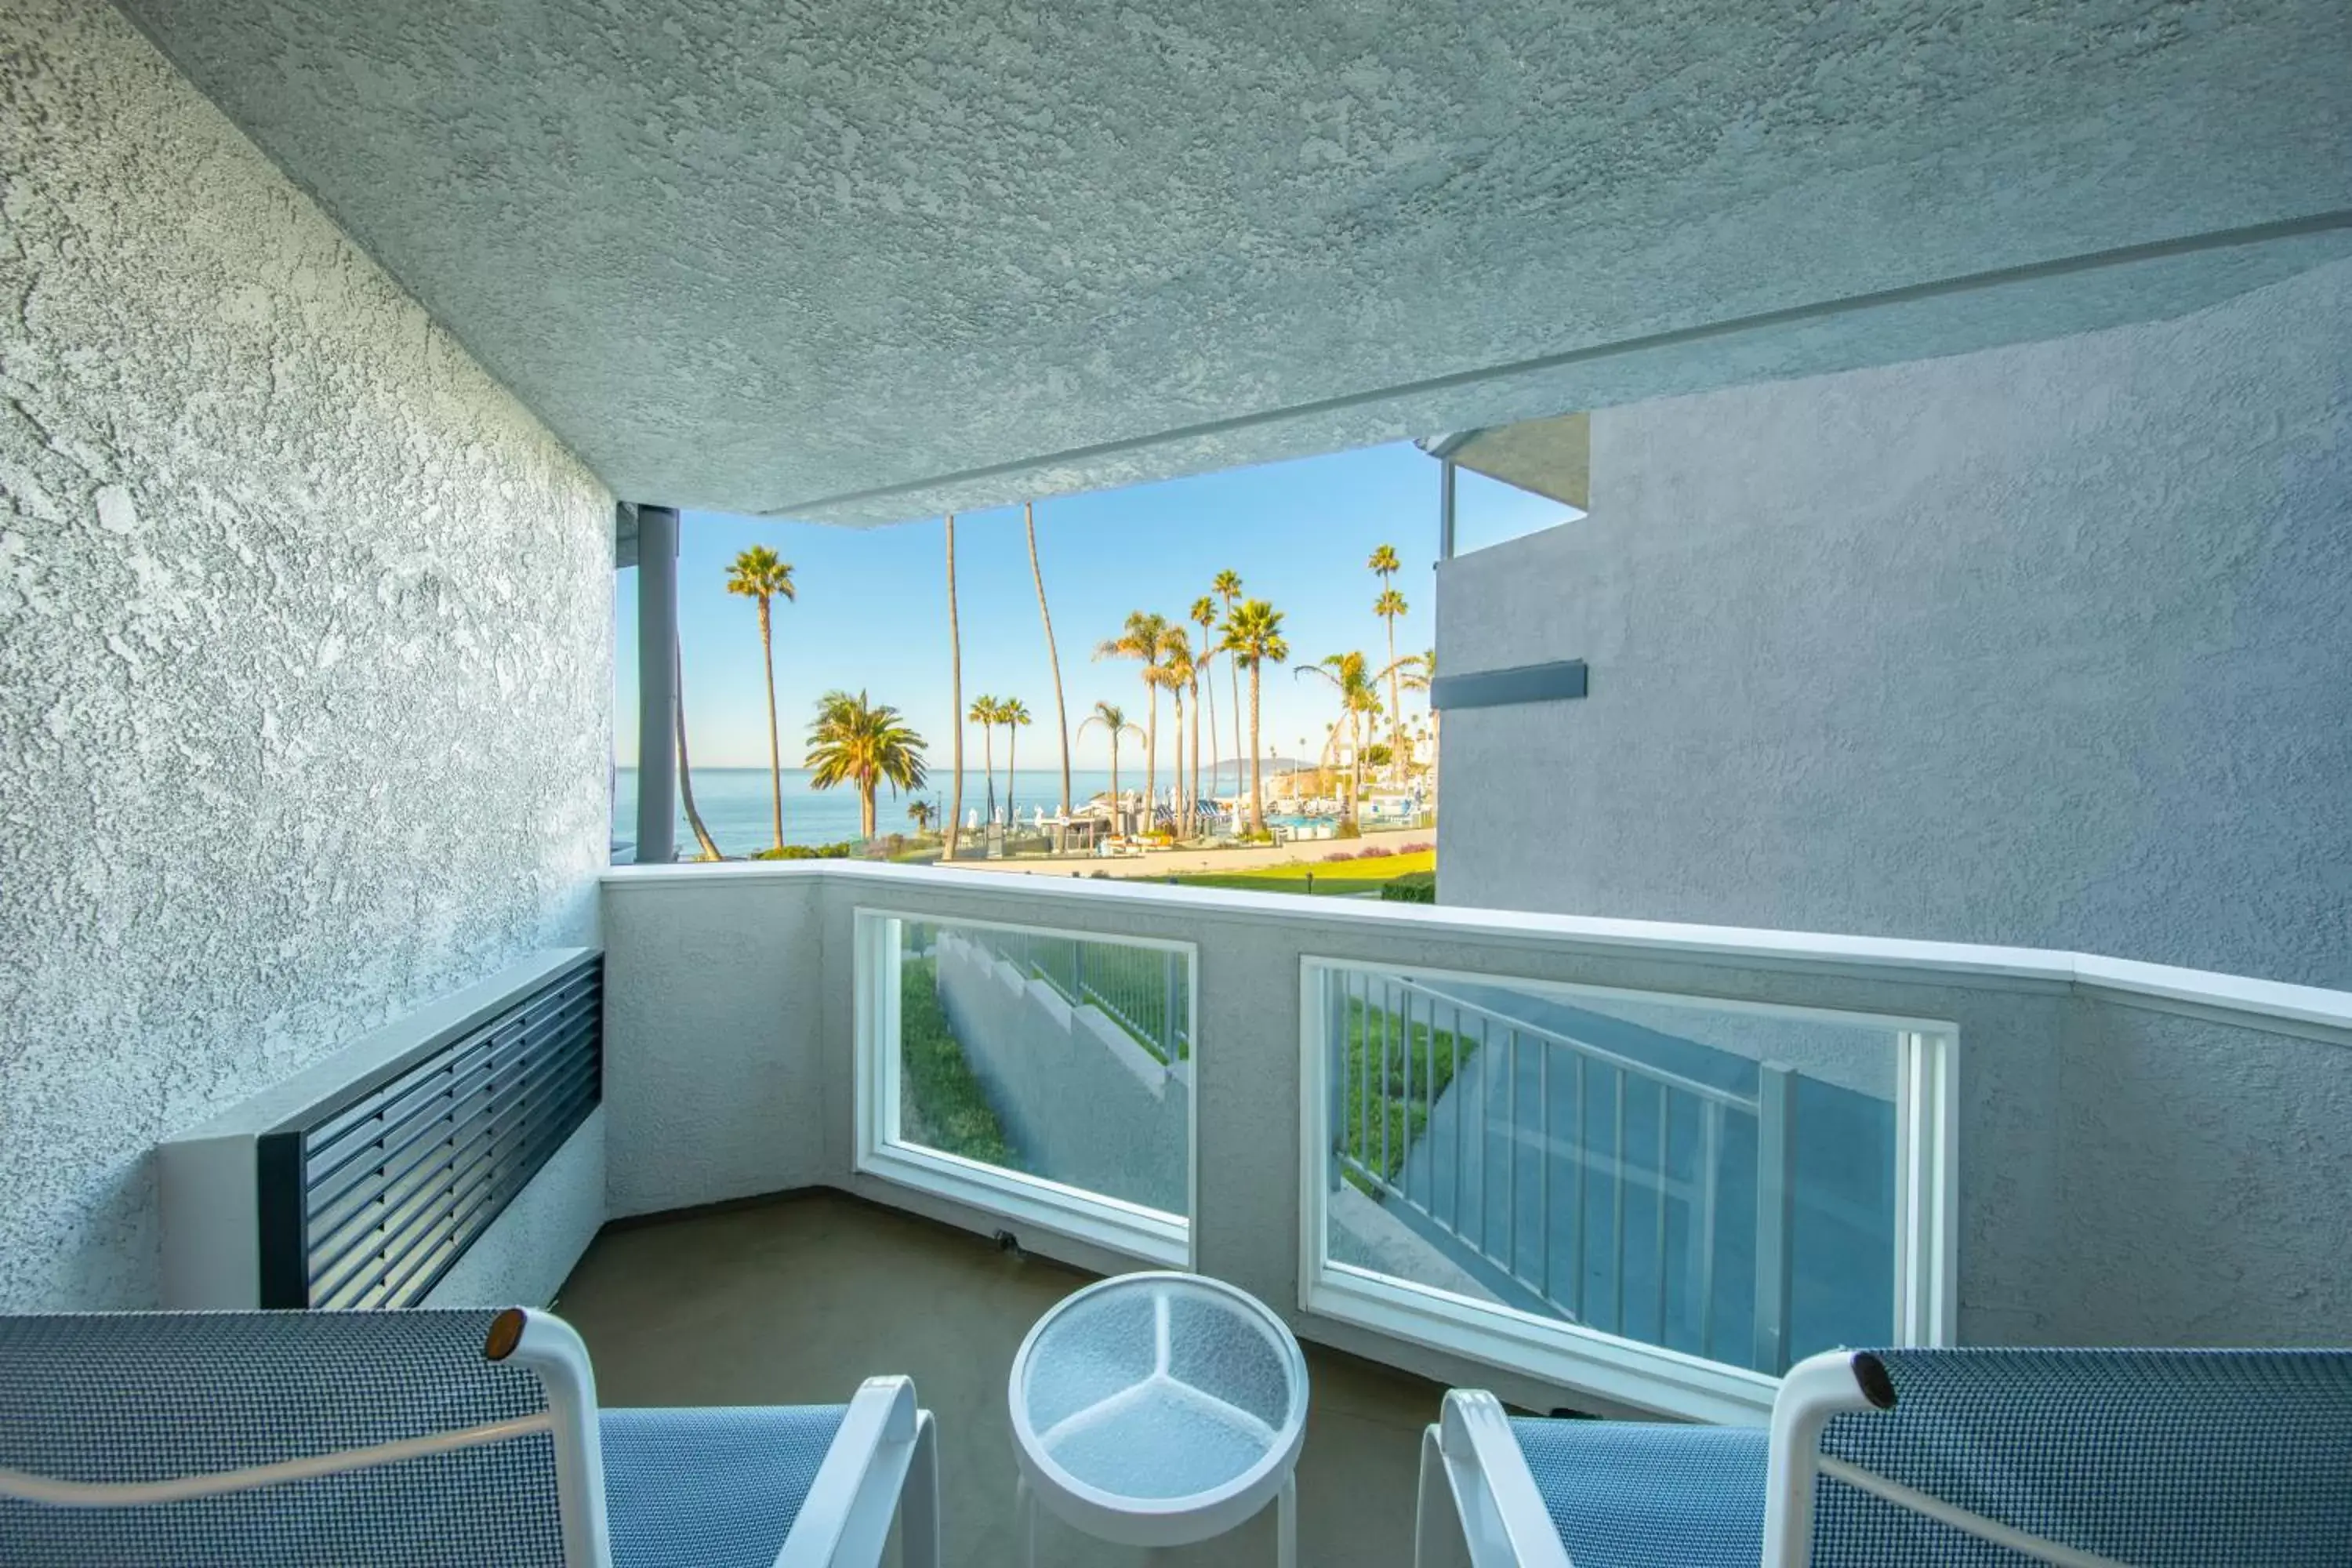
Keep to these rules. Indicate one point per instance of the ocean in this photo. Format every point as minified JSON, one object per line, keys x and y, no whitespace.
{"x":736,"y":805}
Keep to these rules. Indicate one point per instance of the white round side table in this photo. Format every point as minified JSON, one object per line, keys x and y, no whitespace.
{"x":1157,"y":1410}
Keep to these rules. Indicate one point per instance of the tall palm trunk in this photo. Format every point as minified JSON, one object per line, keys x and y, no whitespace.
{"x":775,"y":747}
{"x":1114,"y":784}
{"x":1238,"y":709}
{"x":1012,"y":770}
{"x":955,"y":694}
{"x":1151,"y":756}
{"x":1396,"y":710}
{"x":1355,"y":766}
{"x":1257,"y":791}
{"x":865,"y":808}
{"x":1176,"y":782}
{"x":1216,"y":764}
{"x":1192,"y":812}
{"x":988,"y":752}
{"x":685,"y":772}
{"x":1053,"y":655}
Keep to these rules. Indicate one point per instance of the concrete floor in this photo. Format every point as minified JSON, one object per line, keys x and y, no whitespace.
{"x":794,"y":1300}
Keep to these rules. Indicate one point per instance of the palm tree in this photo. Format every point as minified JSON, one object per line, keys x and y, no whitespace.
{"x":1351,"y":675}
{"x":986,"y":712}
{"x":1204,"y":615}
{"x":920,"y":813}
{"x":1227,"y":586}
{"x":1053,"y":655}
{"x":856,"y":743}
{"x":759,"y":576}
{"x":1144,"y":638}
{"x":1254,"y":637}
{"x":686,"y":772}
{"x":955,"y":695}
{"x":1414,"y":671}
{"x":1014,"y":714}
{"x":1389,"y":606}
{"x":1112,"y":717}
{"x":1176,"y":673}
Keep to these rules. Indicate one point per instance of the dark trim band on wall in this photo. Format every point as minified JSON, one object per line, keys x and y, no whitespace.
{"x":1559,"y":682}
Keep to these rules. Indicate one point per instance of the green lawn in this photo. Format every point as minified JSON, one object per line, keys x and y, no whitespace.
{"x":940,"y":1105}
{"x":1332,"y":878}
{"x":1423,"y":1062}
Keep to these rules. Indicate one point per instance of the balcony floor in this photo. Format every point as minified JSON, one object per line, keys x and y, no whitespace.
{"x":793,"y":1301}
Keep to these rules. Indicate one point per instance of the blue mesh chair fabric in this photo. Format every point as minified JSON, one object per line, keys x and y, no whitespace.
{"x":1626,"y":1494}
{"x":146,"y":1397}
{"x":2153,"y":1457}
{"x":153,"y":1396}
{"x":709,"y":1487}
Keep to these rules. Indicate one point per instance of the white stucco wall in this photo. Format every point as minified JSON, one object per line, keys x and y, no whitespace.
{"x":2043,"y":645}
{"x":2130,"y":1168}
{"x":714,"y":1059}
{"x":305,"y":653}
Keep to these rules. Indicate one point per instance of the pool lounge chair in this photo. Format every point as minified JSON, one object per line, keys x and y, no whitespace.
{"x":423,"y":1438}
{"x":2088,"y":1458}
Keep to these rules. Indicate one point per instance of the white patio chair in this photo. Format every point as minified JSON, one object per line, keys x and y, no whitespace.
{"x":1974,"y":1457}
{"x":462,"y":1438}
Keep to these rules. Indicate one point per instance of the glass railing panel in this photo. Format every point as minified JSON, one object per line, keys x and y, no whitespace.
{"x":1716,"y":1179}
{"x":1053,"y":1056}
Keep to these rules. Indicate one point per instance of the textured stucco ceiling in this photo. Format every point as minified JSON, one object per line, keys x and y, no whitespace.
{"x":867,"y":261}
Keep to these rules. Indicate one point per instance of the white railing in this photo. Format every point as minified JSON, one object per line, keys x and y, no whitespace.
{"x":1405,"y":1021}
{"x":750,"y":1012}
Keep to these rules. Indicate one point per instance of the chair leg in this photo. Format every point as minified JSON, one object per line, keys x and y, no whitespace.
{"x":1285,"y":1523}
{"x":1438,"y":1537}
{"x":918,"y":1504}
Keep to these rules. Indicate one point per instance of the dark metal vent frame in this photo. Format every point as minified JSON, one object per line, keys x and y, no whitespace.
{"x":368,"y":1198}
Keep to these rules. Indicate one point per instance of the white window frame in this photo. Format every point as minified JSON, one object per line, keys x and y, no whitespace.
{"x":1627,"y":1371}
{"x":1154,"y":1235}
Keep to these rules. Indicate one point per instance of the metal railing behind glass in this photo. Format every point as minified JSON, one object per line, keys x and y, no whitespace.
{"x":1567,"y":1178}
{"x":1144,"y":990}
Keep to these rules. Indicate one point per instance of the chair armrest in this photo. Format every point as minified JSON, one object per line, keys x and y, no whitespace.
{"x":1811,"y":1392}
{"x":1504,"y":1520}
{"x":845,"y":1519}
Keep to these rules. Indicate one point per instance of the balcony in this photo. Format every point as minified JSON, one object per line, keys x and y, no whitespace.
{"x":1612,"y":1166}
{"x":309,"y":716}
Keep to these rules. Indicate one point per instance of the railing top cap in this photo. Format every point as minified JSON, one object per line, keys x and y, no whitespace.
{"x":1920,"y":962}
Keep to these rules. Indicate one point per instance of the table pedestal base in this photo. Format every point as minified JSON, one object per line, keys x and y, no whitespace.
{"x":1285,"y":1523}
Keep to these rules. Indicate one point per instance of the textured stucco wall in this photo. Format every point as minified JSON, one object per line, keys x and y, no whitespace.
{"x":713,"y":1087}
{"x":304,"y":647}
{"x":2043,"y":645}
{"x":2205,"y":1170}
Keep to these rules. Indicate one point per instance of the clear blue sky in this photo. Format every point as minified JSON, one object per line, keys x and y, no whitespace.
{"x":872,"y":610}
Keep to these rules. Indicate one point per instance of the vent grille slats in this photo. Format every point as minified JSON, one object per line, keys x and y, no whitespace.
{"x":370,"y":1199}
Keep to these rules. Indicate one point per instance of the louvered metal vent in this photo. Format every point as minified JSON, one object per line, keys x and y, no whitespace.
{"x":368,"y":1198}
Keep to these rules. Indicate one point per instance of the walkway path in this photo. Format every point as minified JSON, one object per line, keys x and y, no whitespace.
{"x":1173,"y":862}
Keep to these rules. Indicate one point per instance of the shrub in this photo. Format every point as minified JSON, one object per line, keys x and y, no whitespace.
{"x":841,"y":851}
{"x":1412,"y":888}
